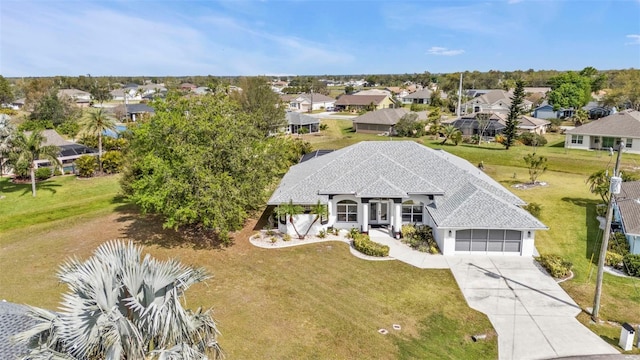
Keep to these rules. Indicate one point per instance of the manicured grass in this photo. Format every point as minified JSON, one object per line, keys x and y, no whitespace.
{"x":57,"y":198}
{"x":315,"y":301}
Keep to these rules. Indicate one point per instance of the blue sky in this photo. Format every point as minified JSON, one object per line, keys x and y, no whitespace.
{"x":171,"y":37}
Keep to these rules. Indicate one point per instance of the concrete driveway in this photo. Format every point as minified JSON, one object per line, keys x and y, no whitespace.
{"x":533,"y":316}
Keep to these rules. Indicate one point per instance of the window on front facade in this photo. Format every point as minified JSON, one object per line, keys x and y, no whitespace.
{"x":629,"y":143}
{"x":347,"y":211}
{"x":411,"y":212}
{"x":576,"y":139}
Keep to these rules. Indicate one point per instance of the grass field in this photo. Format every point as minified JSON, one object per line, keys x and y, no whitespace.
{"x":315,"y":301}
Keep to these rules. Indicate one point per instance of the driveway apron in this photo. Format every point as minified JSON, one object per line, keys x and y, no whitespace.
{"x":532,"y":315}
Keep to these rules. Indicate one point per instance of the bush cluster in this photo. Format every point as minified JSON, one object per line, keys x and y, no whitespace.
{"x":86,"y":165}
{"x":112,"y":161}
{"x":534,"y":209}
{"x":43,"y":173}
{"x":555,"y":265}
{"x":618,"y":244}
{"x":613,"y":259}
{"x":420,"y":238}
{"x":632,"y":264}
{"x":364,"y":244}
{"x":532,"y":139}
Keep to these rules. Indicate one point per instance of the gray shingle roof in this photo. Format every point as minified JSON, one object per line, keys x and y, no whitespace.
{"x":13,"y":320}
{"x":139,"y":108}
{"x":295,"y":118}
{"x":464,"y":195}
{"x":629,"y":205}
{"x":420,"y":94}
{"x":623,"y":124}
{"x":52,"y":138}
{"x":381,"y":116}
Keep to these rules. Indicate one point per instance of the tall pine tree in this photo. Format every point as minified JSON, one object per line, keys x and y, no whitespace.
{"x":515,"y":110}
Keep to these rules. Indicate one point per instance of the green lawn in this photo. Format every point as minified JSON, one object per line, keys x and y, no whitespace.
{"x":315,"y":301}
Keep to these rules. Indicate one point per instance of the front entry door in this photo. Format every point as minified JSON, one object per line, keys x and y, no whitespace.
{"x":378,"y":212}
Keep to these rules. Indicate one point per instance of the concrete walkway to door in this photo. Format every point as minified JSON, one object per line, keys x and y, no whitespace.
{"x":533,"y":316}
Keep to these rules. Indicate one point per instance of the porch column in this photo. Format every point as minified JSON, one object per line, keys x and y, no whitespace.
{"x":330,"y":214}
{"x":365,"y":215}
{"x":397,"y":217}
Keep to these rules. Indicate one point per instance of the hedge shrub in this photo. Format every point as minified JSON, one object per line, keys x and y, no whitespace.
{"x":618,"y":244}
{"x":364,"y":244}
{"x":632,"y":264}
{"x":613,"y":259}
{"x":420,"y":238}
{"x":86,"y":165}
{"x":112,"y":161}
{"x":43,"y":173}
{"x":555,"y":265}
{"x":532,"y":139}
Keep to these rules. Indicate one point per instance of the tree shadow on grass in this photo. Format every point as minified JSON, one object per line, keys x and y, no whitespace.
{"x":147,"y":229}
{"x":8,"y":187}
{"x":594,"y":233}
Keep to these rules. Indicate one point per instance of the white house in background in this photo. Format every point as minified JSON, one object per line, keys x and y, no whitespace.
{"x":495,"y":101}
{"x":79,"y":97}
{"x":304,"y":102}
{"x":607,"y":132}
{"x":391,"y":183}
{"x":69,"y":151}
{"x":627,"y":213}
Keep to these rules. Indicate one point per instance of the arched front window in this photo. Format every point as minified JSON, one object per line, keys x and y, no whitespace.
{"x":412,"y":212}
{"x":347,"y":211}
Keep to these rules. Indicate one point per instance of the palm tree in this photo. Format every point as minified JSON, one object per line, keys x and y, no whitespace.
{"x":599,"y":184}
{"x":290,"y":209}
{"x":95,"y":123}
{"x":26,"y":149}
{"x":6,"y":134}
{"x":451,"y":132}
{"x":319,"y":210}
{"x":122,"y":306}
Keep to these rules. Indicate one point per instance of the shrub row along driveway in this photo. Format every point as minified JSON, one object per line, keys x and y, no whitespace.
{"x":533,"y":316}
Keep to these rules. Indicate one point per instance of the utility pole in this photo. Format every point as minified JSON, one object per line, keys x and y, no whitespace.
{"x":458,"y":110}
{"x":614,"y":188}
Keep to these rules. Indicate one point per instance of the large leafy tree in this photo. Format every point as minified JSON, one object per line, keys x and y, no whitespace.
{"x":123,"y":306}
{"x":6,"y":93}
{"x":515,"y":110}
{"x":409,"y":126}
{"x":51,"y":110}
{"x":25,"y":149}
{"x":95,"y":123}
{"x":200,"y":161}
{"x":262,"y":104}
{"x":570,"y":90}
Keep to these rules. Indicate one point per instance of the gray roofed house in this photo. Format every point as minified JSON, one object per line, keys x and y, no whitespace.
{"x":363,"y":102}
{"x":420,"y":97}
{"x":69,"y":151}
{"x":135,"y":111}
{"x":381,"y":121}
{"x":607,"y":132}
{"x":13,"y":320}
{"x":297,"y":121}
{"x":627,"y":212}
{"x":497,"y":101}
{"x":469,"y":124}
{"x":390,"y":183}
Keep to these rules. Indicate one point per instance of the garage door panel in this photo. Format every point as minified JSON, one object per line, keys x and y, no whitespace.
{"x":483,"y":240}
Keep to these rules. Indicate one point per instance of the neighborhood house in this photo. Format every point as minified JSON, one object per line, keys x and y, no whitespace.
{"x":607,"y":133}
{"x":627,"y":213}
{"x":385,"y":184}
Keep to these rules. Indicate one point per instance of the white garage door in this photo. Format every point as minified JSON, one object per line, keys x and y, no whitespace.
{"x":484,"y":240}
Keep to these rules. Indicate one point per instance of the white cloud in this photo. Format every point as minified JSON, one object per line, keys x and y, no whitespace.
{"x":635,"y":39}
{"x":437,"y":50}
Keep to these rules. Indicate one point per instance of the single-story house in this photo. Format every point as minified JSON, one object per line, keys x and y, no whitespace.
{"x":18,"y":104}
{"x":79,"y":97}
{"x":469,"y":125}
{"x":391,"y":183}
{"x":593,"y":109}
{"x":607,"y":132}
{"x":496,"y":101}
{"x":363,"y":102}
{"x":135,"y":111}
{"x":627,"y":213}
{"x":297,"y":121}
{"x":69,"y":151}
{"x":420,"y":97}
{"x":381,"y":121}
{"x":303,"y":102}
{"x":14,"y":319}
